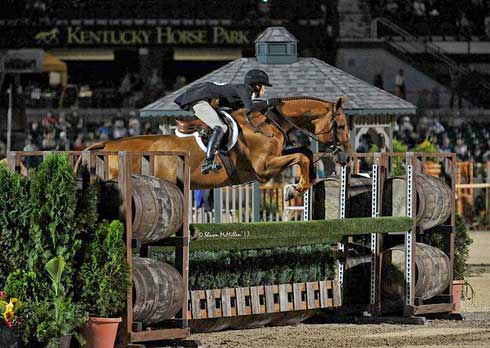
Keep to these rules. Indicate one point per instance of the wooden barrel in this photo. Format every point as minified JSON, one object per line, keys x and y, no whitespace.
{"x":357,"y":275}
{"x":327,"y":198}
{"x":433,"y":199}
{"x":157,"y":208}
{"x":432,"y":274}
{"x":157,"y":291}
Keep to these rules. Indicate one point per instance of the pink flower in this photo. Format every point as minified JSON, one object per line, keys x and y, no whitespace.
{"x":3,"y":295}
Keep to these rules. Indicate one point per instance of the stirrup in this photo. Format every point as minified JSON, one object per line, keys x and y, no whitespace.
{"x":206,"y":167}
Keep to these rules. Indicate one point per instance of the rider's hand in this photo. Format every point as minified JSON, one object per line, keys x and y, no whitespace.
{"x":259,"y":105}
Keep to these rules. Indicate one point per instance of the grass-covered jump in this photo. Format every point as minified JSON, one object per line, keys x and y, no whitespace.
{"x":256,"y":235}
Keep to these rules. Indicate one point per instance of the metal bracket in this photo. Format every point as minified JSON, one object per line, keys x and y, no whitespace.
{"x":374,"y":239}
{"x":340,"y":245}
{"x":306,"y":205}
{"x":409,"y":235}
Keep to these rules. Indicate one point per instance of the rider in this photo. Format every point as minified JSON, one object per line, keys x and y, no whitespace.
{"x":199,"y":97}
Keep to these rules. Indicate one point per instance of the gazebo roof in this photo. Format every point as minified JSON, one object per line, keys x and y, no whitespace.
{"x":276,"y":34}
{"x":305,"y":77}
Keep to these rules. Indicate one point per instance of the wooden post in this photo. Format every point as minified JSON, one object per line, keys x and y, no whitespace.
{"x":182,"y":249}
{"x":453,"y":171}
{"x":11,"y":161}
{"x":125,"y":188}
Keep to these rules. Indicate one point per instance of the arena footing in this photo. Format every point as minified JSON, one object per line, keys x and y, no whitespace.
{"x":366,"y":320}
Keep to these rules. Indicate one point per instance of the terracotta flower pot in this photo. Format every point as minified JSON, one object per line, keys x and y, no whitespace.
{"x":101,"y":332}
{"x":457,"y":289}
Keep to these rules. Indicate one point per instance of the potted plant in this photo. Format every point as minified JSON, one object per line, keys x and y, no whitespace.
{"x":10,"y":322}
{"x":462,"y":242}
{"x":104,"y":281}
{"x":56,"y":316}
{"x":431,"y":167}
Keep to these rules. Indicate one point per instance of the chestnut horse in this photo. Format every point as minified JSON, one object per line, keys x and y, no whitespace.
{"x":258,"y":155}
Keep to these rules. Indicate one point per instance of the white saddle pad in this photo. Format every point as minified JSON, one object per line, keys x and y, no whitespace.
{"x":232,"y":138}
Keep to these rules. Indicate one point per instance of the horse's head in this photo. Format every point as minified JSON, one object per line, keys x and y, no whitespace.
{"x":319,"y":119}
{"x":332,"y":127}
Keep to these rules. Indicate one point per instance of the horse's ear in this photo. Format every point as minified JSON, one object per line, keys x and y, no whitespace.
{"x":340,"y":102}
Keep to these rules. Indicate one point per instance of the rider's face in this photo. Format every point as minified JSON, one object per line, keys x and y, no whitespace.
{"x":262,"y":91}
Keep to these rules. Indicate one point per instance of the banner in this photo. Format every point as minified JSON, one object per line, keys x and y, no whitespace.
{"x":93,"y":36}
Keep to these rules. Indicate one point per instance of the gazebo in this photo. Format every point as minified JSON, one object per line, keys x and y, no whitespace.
{"x":276,"y":53}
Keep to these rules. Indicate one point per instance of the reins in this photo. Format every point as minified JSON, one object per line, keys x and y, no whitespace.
{"x":306,"y":132}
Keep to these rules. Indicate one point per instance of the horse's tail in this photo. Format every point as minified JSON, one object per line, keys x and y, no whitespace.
{"x":93,"y":147}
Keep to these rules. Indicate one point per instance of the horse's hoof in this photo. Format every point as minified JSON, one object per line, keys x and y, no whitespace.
{"x":289,"y":192}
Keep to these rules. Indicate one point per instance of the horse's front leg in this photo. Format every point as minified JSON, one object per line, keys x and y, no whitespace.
{"x":275,"y":165}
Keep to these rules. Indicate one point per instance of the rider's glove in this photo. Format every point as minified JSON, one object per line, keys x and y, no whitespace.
{"x":259,"y":105}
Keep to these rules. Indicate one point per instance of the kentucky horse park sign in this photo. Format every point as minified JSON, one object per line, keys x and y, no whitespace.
{"x":93,"y":36}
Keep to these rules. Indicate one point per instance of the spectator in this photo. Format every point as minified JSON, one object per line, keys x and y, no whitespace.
{"x":134,"y":127}
{"x":392,"y":7}
{"x":465,"y":26}
{"x":105,"y":130}
{"x":446,"y":145}
{"x":48,"y":121}
{"x":126,"y":85}
{"x":79,"y":144}
{"x":49,"y":142}
{"x":455,"y":75}
{"x":419,"y":9}
{"x":147,"y":129}
{"x":400,"y":90}
{"x":378,"y":81}
{"x":63,"y":143}
{"x":436,"y":127}
{"x":461,"y":149}
{"x":487,"y":27}
{"x":3,"y":149}
{"x":119,"y":130}
{"x":36,"y":134}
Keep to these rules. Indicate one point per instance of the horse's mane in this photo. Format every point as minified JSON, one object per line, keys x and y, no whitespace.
{"x":303,"y":98}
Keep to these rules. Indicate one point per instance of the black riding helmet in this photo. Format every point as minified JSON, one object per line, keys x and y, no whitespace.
{"x":257,"y":77}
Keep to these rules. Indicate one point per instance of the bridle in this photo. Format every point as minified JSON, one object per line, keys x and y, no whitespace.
{"x":272,"y":116}
{"x":333,"y":128}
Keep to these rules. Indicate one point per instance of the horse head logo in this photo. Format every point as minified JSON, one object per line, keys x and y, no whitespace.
{"x":48,"y":37}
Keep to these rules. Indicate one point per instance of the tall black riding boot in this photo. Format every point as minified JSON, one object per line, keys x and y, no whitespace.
{"x":213,"y":145}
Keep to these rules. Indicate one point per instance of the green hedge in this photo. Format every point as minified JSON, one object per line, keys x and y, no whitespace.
{"x":237,"y":268}
{"x":258,"y":235}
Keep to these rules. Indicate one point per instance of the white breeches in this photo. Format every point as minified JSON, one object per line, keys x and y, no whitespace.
{"x":208,"y":115}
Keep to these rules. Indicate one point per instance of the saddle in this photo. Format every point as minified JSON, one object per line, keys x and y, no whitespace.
{"x":189,"y":126}
{"x":196,"y":128}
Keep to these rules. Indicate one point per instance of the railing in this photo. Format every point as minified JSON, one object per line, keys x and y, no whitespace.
{"x":415,"y":43}
{"x":473,"y":86}
{"x":244,"y":203}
